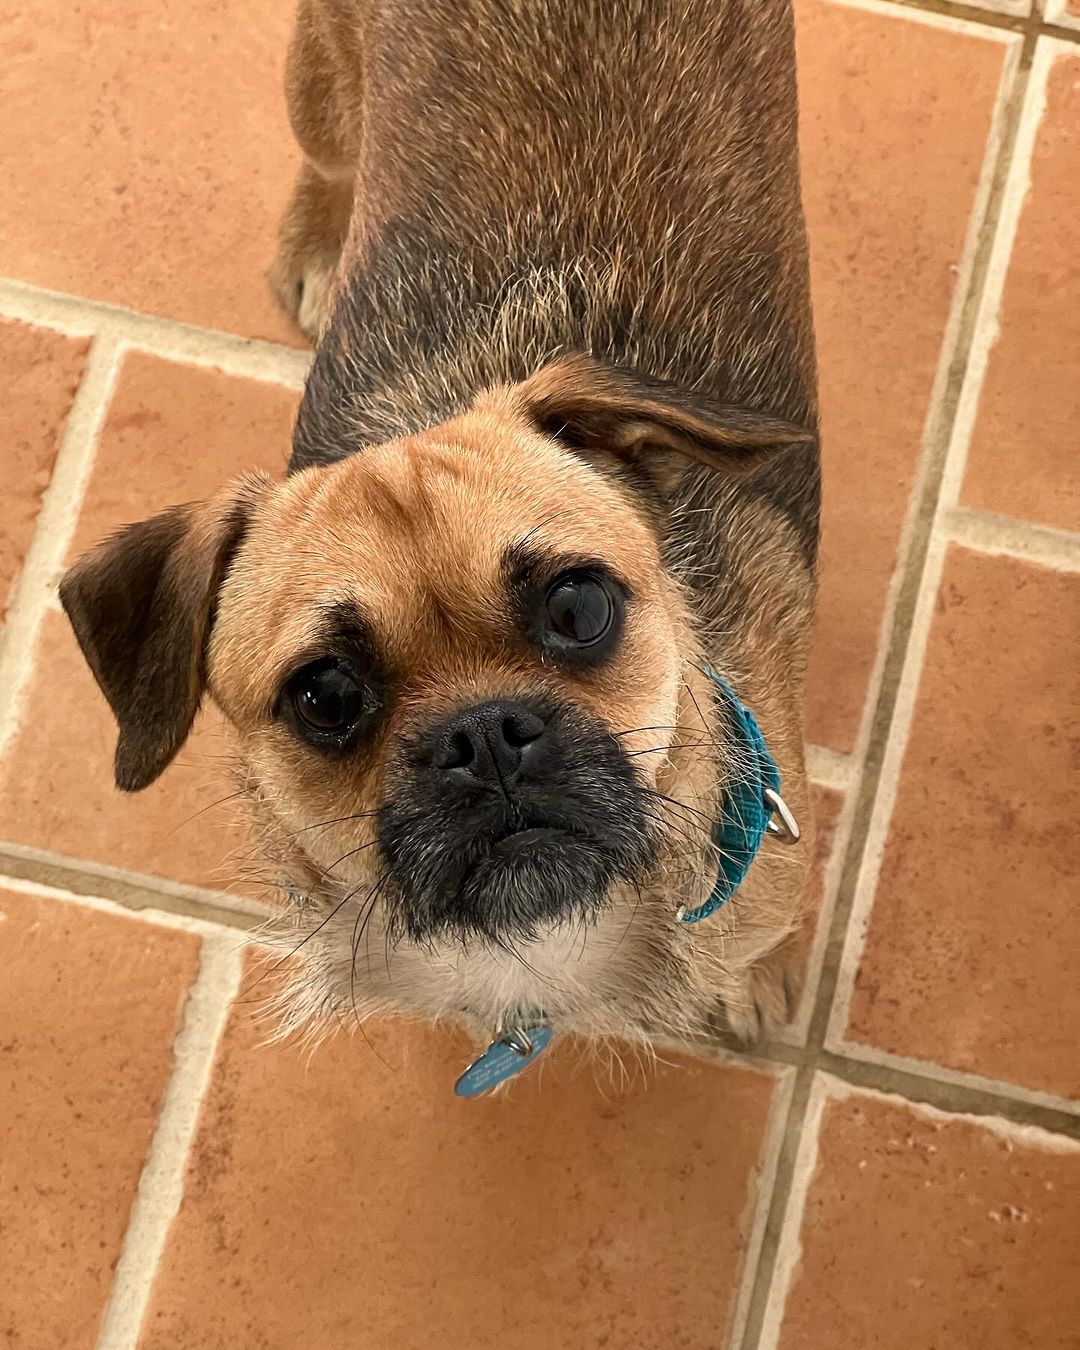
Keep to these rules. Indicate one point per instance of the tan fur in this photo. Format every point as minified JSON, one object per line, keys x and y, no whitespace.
{"x":414,"y":531}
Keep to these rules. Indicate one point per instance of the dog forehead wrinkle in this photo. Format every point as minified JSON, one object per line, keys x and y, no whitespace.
{"x":410,"y":595}
{"x":483,"y":478}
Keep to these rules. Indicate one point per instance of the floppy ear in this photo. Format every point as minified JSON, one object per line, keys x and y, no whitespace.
{"x":653,"y":426}
{"x":141,"y":605}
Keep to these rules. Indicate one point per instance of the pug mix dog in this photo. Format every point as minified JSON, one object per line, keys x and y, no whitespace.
{"x":515,"y":651}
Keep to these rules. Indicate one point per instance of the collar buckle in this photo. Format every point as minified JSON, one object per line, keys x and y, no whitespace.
{"x":782,"y":824}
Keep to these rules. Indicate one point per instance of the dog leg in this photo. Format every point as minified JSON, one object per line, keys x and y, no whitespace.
{"x":310,"y":241}
{"x":754,"y":1006}
{"x":324,"y":85}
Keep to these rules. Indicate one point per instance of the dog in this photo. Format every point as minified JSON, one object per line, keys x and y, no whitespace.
{"x":541,"y":574}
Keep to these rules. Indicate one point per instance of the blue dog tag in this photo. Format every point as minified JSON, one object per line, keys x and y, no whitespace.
{"x":502,"y":1059}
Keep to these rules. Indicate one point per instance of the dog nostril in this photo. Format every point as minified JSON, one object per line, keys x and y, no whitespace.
{"x":489,"y":743}
{"x":464,"y":751}
{"x":457,"y":752}
{"x":521,"y":730}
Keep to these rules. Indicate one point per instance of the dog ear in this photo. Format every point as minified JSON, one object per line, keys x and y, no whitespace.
{"x":142,"y":604}
{"x":653,"y":426}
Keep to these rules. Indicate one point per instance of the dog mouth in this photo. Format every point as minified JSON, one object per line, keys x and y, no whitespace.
{"x":535,"y":854}
{"x":516,"y":884}
{"x":528,"y":840}
{"x":530,"y":878}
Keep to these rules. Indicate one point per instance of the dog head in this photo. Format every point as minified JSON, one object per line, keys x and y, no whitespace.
{"x":457,"y":667}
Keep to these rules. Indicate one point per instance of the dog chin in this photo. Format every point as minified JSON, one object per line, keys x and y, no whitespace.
{"x":521,"y":885}
{"x":530,"y":880}
{"x":569,"y":970}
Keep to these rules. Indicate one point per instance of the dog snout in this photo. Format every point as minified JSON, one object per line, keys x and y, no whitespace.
{"x":490,"y":744}
{"x":510,"y":814}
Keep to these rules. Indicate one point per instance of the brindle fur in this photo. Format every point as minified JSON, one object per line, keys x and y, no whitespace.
{"x":493,"y":188}
{"x":533,"y":177}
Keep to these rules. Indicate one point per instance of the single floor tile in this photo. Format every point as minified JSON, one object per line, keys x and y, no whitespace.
{"x":924,"y":1231}
{"x":1024,"y":458}
{"x":89,"y":1006}
{"x":973,"y":953}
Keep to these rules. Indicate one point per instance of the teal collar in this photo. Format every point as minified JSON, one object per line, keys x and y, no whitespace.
{"x":751,"y":802}
{"x":752,"y":809}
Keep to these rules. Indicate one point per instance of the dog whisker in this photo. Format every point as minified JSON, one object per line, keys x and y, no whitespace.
{"x":308,"y":936}
{"x":339,"y":820}
{"x":668,"y":749}
{"x":346,"y":856}
{"x":221,"y":801}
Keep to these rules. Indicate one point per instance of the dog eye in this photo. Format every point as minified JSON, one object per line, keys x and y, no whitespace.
{"x":327,"y":699}
{"x":579,"y":610}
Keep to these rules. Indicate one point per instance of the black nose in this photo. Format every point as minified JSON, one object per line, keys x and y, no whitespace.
{"x":489,"y":743}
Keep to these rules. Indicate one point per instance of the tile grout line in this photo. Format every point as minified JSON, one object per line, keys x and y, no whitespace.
{"x":122,"y":885}
{"x":839,"y":1089}
{"x":789,"y":1246}
{"x":993,"y":15}
{"x":84,"y":883}
{"x":863,"y":1064}
{"x":101,"y":904}
{"x":1014,"y":195}
{"x":836,"y":771}
{"x":955,"y":18}
{"x":1007,"y":537}
{"x":912,"y":560}
{"x":54,"y":527}
{"x":161,"y":1185}
{"x":1014,"y":190}
{"x":769,"y":1160}
{"x":922,"y":1081}
{"x":795,"y":1034}
{"x":1051,"y":20}
{"x":170,"y":339}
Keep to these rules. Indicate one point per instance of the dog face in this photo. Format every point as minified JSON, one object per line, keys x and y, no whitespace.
{"x":458,"y":669}
{"x":448,"y":645}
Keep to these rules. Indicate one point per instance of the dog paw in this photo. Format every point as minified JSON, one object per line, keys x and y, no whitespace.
{"x":761,"y":1003}
{"x":302,"y":287}
{"x":313,"y":231}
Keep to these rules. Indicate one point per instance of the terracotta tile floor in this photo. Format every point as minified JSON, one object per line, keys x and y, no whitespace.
{"x":902,"y":1169}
